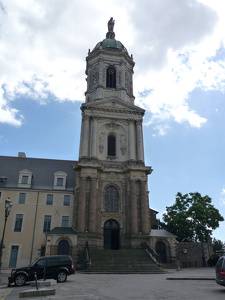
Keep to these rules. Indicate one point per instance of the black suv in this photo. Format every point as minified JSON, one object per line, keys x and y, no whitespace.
{"x":48,"y":267}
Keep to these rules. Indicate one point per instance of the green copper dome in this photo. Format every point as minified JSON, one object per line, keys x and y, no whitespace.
{"x":111,"y":44}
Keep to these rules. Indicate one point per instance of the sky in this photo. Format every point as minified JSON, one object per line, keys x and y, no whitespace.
{"x":179,"y":79}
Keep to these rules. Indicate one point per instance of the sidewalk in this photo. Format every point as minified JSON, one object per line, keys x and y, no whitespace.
{"x":4,"y":290}
{"x":206,"y":273}
{"x":4,"y":277}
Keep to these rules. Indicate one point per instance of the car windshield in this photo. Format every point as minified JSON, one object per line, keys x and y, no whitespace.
{"x":33,"y":263}
{"x":39,"y":262}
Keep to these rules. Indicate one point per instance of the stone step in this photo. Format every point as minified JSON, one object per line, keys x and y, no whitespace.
{"x":125,"y":261}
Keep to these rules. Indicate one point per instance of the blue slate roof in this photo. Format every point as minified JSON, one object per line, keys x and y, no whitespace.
{"x":161,"y":233}
{"x":43,"y":171}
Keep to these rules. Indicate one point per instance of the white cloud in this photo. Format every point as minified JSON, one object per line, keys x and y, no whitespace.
{"x":222,"y":197}
{"x":43,"y":46}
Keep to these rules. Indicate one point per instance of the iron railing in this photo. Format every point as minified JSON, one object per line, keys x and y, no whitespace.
{"x":155,"y":257}
{"x":87,"y":254}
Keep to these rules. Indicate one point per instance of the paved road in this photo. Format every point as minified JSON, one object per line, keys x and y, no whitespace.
{"x":144,"y":287}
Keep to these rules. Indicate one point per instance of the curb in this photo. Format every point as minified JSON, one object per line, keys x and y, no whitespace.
{"x":190,"y":278}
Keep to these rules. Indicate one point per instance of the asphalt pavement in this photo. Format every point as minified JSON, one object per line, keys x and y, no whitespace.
{"x":131,"y":286}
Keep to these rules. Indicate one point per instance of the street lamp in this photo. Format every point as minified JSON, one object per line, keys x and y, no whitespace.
{"x":8,"y":205}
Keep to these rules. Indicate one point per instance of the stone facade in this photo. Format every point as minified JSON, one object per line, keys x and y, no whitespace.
{"x":111,"y":193}
{"x":190,"y":254}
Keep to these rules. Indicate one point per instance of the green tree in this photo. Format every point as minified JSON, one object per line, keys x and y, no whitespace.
{"x":192,"y":217}
{"x":218,"y":244}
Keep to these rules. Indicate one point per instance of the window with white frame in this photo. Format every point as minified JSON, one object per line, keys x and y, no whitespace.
{"x":18,"y":223}
{"x":65,"y":221}
{"x":66,"y":200}
{"x":25,"y":178}
{"x":47,"y":223}
{"x":22,"y":198}
{"x":49,"y":199}
{"x":60,"y":180}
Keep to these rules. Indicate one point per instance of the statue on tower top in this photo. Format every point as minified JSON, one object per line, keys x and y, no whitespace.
{"x":111,"y":24}
{"x":110,"y":34}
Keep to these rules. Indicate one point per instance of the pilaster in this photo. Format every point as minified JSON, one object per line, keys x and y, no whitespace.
{"x":133,"y":209}
{"x":140,"y":149}
{"x":82,"y":205}
{"x":92,"y":213}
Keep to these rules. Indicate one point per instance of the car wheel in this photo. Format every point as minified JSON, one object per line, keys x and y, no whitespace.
{"x":61,"y":276}
{"x":20,"y":280}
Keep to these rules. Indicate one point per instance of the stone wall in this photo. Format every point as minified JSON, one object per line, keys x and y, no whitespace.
{"x":190,"y":254}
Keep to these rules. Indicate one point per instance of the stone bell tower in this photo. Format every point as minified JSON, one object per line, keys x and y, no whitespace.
{"x":111,"y":193}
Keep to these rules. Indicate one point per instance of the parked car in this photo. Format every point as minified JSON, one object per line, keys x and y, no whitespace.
{"x":48,"y":267}
{"x":220,"y":271}
{"x":214,"y":258}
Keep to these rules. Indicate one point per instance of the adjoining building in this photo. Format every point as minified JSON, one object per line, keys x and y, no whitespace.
{"x":102,"y":198}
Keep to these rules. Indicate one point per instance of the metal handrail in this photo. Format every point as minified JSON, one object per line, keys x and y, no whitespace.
{"x":88,"y":254}
{"x":155,"y":257}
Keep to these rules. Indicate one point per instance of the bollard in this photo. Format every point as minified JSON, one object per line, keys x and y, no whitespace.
{"x":35,"y":277}
{"x":44,"y":270}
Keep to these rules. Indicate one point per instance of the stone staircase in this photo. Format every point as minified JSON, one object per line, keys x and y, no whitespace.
{"x":126,"y":261}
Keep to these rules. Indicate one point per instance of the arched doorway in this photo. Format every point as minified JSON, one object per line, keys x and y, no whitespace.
{"x":63,"y":247}
{"x":111,"y":235}
{"x":161,"y":251}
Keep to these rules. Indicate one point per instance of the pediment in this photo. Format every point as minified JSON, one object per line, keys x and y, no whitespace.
{"x":113,"y":104}
{"x":25,"y":171}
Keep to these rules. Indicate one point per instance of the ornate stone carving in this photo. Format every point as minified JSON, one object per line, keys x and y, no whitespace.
{"x":94,"y":76}
{"x":85,"y":118}
{"x":101,"y":142}
{"x":123,"y":143}
{"x":112,"y":126}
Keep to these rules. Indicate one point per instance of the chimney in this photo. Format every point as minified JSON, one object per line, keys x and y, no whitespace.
{"x":22,"y":154}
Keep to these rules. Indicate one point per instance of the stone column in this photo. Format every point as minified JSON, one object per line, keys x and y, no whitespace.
{"x":133,"y":208}
{"x":94,"y":138}
{"x":99,"y":208}
{"x":144,"y":209}
{"x":140,"y":148}
{"x":132,"y":146}
{"x":82,"y":205}
{"x":92,"y":212}
{"x":84,"y":137}
{"x":124,"y":209}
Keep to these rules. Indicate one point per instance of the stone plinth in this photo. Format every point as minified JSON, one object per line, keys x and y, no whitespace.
{"x":37,"y":293}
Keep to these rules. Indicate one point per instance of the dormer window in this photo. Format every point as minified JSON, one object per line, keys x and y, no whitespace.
{"x":25,"y":178}
{"x":60,"y":180}
{"x":3,"y":179}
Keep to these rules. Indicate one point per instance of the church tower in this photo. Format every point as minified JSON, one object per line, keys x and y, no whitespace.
{"x":111,"y":194}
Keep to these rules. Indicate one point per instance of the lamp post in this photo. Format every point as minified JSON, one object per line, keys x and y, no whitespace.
{"x":8,"y":205}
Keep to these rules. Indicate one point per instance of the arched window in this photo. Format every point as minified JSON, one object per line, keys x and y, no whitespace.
{"x":111,"y":145}
{"x":111,"y":199}
{"x":111,"y":78}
